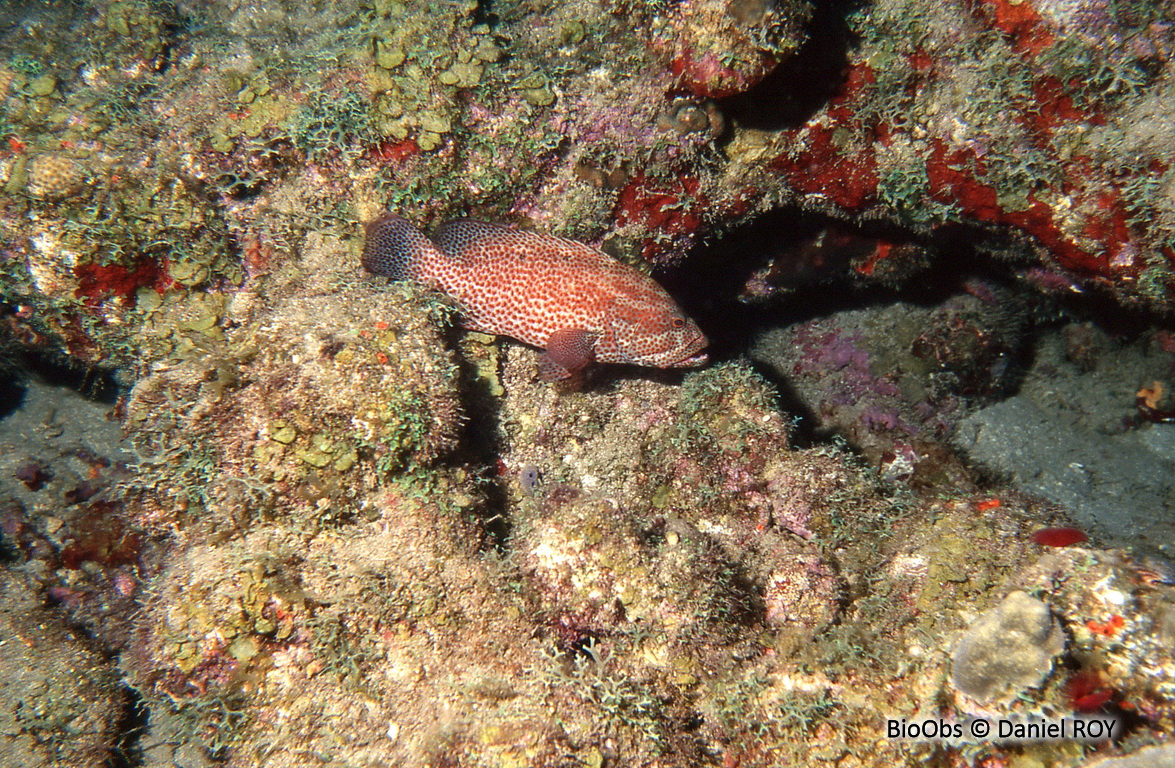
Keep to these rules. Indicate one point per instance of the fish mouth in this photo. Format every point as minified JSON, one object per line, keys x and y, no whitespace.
{"x":694,"y":360}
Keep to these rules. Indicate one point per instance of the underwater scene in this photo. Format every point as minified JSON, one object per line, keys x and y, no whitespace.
{"x":587,"y":384}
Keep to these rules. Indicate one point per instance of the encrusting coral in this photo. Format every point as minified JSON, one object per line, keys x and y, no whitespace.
{"x":347,"y":531}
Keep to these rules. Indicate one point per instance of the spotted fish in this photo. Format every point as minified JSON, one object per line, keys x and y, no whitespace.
{"x":577,"y":303}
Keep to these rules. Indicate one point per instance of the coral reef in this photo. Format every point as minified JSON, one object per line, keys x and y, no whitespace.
{"x":339,"y":530}
{"x":52,"y":177}
{"x":1008,"y":119}
{"x":652,"y":574}
{"x":62,"y":703}
{"x":895,"y":380}
{"x":719,"y":49}
{"x":314,"y":402}
{"x":165,"y":155}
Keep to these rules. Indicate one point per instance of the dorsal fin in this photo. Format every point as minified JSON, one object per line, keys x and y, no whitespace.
{"x":457,"y":236}
{"x":462,"y":237}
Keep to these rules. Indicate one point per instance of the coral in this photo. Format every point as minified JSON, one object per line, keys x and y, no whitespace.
{"x":720,"y":48}
{"x":592,"y":676}
{"x":598,"y":141}
{"x":347,"y":532}
{"x":593,"y":575}
{"x":891,"y":379}
{"x":330,"y":125}
{"x":65,"y":704}
{"x":263,"y":627}
{"x":687,"y":115}
{"x":53,"y":176}
{"x":323,"y":399}
{"x":680,"y":584}
{"x":1008,"y":649}
{"x":1120,"y":621}
{"x":1011,"y":154}
{"x":671,"y":210}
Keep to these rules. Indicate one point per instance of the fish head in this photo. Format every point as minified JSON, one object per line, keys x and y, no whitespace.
{"x":655,"y":332}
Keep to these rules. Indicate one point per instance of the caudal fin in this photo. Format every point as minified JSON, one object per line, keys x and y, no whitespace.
{"x":397,"y":250}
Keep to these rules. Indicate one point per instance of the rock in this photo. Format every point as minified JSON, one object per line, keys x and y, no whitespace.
{"x":1152,"y":756}
{"x":1008,"y":650}
{"x":60,"y":702}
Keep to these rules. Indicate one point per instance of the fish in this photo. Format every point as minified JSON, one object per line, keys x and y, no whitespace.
{"x":576,"y":303}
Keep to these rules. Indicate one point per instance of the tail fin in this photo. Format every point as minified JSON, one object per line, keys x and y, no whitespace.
{"x":396,"y":249}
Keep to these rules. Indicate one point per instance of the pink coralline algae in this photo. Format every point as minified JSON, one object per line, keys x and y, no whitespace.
{"x":835,"y":354}
{"x":719,"y":49}
{"x":578,"y":303}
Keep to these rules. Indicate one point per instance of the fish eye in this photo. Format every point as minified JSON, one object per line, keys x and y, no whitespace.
{"x":678,"y":322}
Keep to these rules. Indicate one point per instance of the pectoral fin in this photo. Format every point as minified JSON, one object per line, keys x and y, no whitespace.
{"x":569,"y":350}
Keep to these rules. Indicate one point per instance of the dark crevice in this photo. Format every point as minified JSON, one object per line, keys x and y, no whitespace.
{"x":484,"y":13}
{"x":801,"y":85}
{"x":12,"y":394}
{"x":810,"y":283}
{"x":92,"y":383}
{"x":127,"y":752}
{"x":814,"y":283}
{"x":481,"y":446}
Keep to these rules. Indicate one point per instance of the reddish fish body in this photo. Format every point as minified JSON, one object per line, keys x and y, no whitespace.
{"x":575,"y":302}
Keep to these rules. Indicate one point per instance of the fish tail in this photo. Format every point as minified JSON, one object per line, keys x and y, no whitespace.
{"x":398,"y":250}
